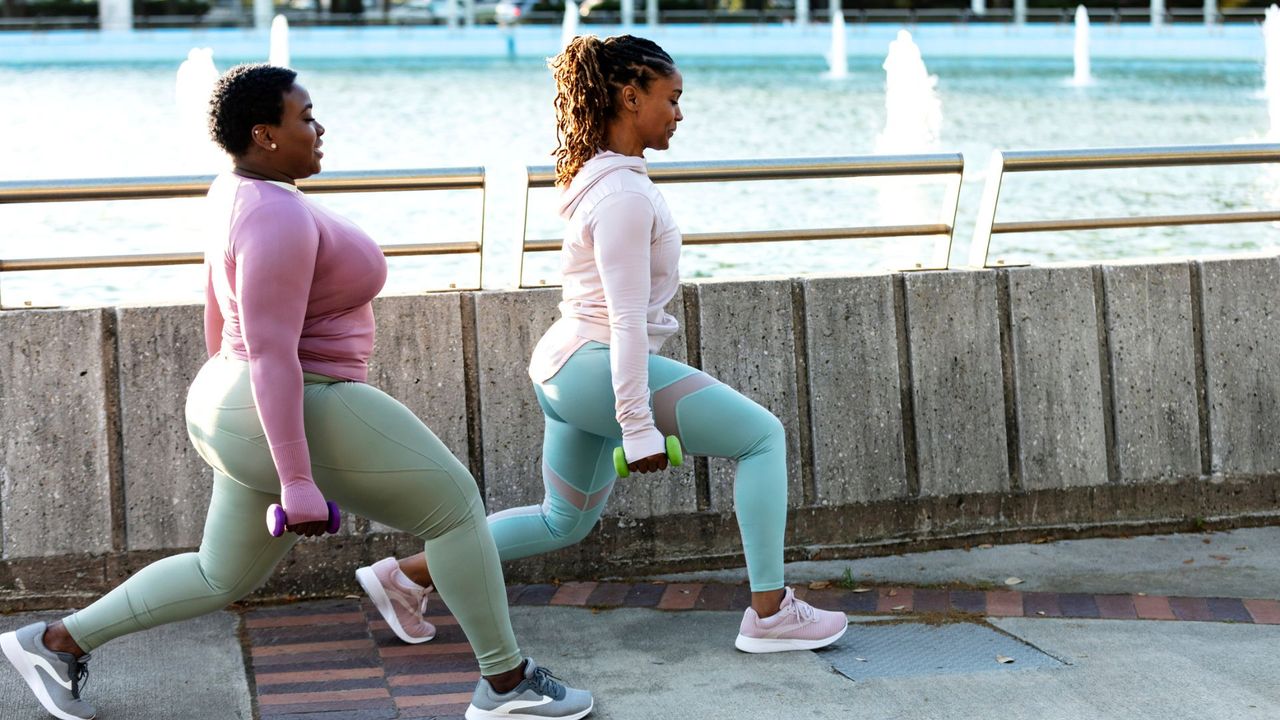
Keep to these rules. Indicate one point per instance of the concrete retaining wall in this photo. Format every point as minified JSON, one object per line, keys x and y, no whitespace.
{"x":921,"y":410}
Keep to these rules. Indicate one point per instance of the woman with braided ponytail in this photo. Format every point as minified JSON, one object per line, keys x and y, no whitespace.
{"x":596,"y":371}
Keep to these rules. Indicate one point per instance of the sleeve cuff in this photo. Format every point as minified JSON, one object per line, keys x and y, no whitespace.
{"x":649,"y":442}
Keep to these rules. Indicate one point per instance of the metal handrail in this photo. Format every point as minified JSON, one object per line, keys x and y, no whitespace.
{"x":46,"y":191}
{"x":947,"y":164}
{"x":1108,"y":159}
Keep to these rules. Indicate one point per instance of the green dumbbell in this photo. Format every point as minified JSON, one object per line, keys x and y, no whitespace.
{"x":674,"y":454}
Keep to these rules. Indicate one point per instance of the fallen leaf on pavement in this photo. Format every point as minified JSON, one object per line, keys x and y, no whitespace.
{"x":1003,"y":660}
{"x":1013,"y":581}
{"x":861,"y":589}
{"x":819,"y":585}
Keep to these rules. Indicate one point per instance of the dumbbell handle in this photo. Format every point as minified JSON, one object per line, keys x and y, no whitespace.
{"x":277,"y":521}
{"x":675,"y":456}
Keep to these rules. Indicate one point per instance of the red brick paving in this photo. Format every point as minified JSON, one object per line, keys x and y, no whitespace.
{"x":364,"y":672}
{"x":1152,"y":607}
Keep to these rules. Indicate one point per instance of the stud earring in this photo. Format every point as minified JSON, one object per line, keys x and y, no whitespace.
{"x":273,"y":146}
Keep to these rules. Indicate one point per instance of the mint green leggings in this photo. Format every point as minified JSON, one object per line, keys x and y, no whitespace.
{"x":709,"y":417}
{"x":369,"y":454}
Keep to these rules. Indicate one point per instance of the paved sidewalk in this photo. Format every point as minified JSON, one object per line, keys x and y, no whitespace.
{"x":663,"y":649}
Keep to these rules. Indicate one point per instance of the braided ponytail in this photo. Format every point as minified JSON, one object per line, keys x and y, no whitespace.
{"x":589,"y":74}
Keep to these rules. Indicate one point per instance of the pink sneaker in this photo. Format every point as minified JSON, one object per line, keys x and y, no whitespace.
{"x":797,"y":626}
{"x":401,"y":602}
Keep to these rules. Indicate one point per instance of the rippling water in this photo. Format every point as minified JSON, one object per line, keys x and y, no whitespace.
{"x":122,"y":120}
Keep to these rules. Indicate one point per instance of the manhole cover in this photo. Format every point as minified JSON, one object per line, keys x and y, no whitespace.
{"x":887,"y":650}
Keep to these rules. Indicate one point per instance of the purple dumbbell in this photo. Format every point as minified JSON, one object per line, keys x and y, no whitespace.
{"x":277,"y":520}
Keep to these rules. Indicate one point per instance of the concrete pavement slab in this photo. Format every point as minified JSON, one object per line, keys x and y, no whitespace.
{"x":1239,"y":563}
{"x":192,"y":670}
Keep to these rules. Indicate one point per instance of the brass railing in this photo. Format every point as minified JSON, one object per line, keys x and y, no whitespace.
{"x":950,"y":166}
{"x":1108,"y":159}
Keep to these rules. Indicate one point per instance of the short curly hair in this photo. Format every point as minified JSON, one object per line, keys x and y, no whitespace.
{"x":247,"y":95}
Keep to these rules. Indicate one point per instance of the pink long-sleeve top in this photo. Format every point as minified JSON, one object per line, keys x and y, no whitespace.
{"x":620,"y":263}
{"x":289,"y":291}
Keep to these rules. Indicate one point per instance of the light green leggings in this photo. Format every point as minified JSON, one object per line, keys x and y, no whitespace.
{"x":369,"y":454}
{"x":709,"y":417}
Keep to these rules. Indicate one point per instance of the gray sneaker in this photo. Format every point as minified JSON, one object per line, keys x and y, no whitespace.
{"x":537,"y":697}
{"x":56,"y":678}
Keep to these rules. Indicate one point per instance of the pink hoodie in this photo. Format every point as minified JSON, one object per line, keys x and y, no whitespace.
{"x":620,"y":261}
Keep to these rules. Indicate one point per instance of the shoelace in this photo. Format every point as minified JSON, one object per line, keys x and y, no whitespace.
{"x":544,"y":683}
{"x":804,"y":611}
{"x":422,"y":602}
{"x":79,"y":675}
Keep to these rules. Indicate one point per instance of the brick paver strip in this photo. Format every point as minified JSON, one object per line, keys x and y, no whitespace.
{"x":303,"y":620}
{"x":608,"y":595}
{"x":281,"y":678}
{"x":969,"y":601}
{"x":901,"y":597}
{"x":439,"y":621}
{"x":408,"y":701}
{"x":1116,"y":607}
{"x":929,"y":600}
{"x":644,"y":595}
{"x":1039,"y":604}
{"x":1152,"y":607}
{"x":1264,"y":612}
{"x":322,"y":696}
{"x":1190,"y":609}
{"x":1078,"y":605}
{"x":303,"y":648}
{"x":863,"y":602}
{"x":345,"y":709}
{"x":536,"y":595}
{"x":679,"y":597}
{"x":427,"y":648}
{"x":573,"y":593}
{"x":715,"y":597}
{"x":433,"y":678}
{"x":1228,"y":610}
{"x":1004,"y":603}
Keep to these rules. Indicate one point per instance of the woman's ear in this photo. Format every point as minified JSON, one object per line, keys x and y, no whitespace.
{"x":630,"y":98}
{"x":262,"y":137}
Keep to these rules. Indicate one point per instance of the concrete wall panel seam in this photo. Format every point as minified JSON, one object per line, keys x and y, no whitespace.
{"x":1106,"y":372}
{"x":800,"y":331}
{"x":115,"y":428}
{"x":693,"y":343}
{"x":911,"y":460}
{"x":1201,"y":380}
{"x":1010,"y":378}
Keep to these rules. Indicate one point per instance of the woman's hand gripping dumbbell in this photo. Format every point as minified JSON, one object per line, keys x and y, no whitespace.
{"x":301,"y":496}
{"x":675,"y":456}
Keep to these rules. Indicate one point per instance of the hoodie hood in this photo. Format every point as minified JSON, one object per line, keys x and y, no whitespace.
{"x":596,"y":169}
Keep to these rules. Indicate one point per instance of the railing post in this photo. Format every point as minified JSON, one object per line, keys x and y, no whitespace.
{"x":651,"y":12}
{"x":1019,"y":12}
{"x":628,"y":13}
{"x":802,"y":13}
{"x":979,"y":7}
{"x":469,"y":12}
{"x":947,"y":216}
{"x":1157,"y":13}
{"x":981,"y":243}
{"x":1210,"y":13}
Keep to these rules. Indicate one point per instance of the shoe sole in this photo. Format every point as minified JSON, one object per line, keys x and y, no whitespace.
{"x":369,"y":581}
{"x":772,"y":645}
{"x":475,"y":713}
{"x":18,"y":658}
